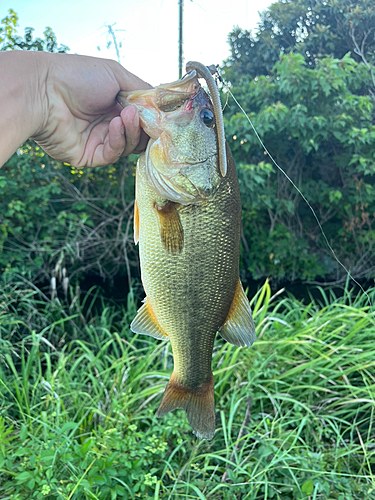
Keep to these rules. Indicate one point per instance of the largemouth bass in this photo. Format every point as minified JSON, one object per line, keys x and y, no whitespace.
{"x":187,"y":221}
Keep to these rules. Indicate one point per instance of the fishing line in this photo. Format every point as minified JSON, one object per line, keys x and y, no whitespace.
{"x":295,"y":187}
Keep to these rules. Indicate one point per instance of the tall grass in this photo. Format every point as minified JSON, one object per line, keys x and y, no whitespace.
{"x":78,"y":394}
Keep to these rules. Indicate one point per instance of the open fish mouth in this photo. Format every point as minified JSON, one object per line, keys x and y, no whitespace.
{"x":182,"y":160}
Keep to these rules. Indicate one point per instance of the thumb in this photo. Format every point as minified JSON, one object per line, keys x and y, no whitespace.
{"x":127,"y":80}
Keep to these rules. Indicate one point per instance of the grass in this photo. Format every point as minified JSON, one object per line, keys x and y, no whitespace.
{"x":79,"y":392}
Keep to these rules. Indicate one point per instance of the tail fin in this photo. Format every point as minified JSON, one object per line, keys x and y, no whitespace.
{"x":198,"y":403}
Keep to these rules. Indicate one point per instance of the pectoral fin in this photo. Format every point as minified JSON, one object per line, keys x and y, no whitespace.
{"x":171,"y":232}
{"x":146,"y":324}
{"x":136,"y":223}
{"x":238,"y":328}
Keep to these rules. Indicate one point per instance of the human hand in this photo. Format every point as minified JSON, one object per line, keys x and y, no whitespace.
{"x":67,"y":104}
{"x":82,"y":122}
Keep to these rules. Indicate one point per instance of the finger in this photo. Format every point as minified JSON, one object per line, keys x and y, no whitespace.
{"x":130,"y":119}
{"x":116,"y":137}
{"x":113,"y":146}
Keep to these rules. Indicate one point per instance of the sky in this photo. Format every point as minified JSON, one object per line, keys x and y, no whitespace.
{"x":146,"y":29}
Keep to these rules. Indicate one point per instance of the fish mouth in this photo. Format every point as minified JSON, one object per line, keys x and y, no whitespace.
{"x":171,"y":96}
{"x":181,"y":156}
{"x":167,"y":97}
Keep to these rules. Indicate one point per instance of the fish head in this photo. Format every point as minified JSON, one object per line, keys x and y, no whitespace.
{"x":182,"y":154}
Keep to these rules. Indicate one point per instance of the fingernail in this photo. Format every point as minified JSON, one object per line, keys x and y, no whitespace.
{"x":122,"y":130}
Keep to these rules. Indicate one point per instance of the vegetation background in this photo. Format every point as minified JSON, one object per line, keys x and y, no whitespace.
{"x":78,"y":391}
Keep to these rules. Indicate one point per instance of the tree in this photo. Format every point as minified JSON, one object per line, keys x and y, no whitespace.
{"x":313,"y":28}
{"x":11,"y":40}
{"x":315,"y":115}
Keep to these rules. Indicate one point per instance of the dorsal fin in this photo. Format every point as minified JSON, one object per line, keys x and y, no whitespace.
{"x":239,"y":328}
{"x":146,"y":324}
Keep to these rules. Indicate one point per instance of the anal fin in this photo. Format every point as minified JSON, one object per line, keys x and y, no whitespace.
{"x":171,"y":231}
{"x":239,"y":328}
{"x":198,"y":403}
{"x":146,"y":324}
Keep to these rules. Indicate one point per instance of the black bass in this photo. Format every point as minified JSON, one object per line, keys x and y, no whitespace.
{"x":187,"y":221}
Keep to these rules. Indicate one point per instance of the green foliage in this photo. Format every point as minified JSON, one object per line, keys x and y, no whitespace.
{"x":78,"y":397}
{"x":314,"y":29}
{"x":55,"y":217}
{"x":315,"y":115}
{"x":318,"y":126}
{"x":307,"y":80}
{"x":11,"y":40}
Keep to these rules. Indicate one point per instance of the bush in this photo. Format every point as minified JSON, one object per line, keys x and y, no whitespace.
{"x":318,"y":126}
{"x":55,"y":217}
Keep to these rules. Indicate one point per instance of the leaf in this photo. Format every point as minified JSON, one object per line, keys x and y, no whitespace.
{"x":31,"y":484}
{"x":308,"y":487}
{"x":23,"y":433}
{"x":23,"y":476}
{"x":98,"y":480}
{"x":68,"y":426}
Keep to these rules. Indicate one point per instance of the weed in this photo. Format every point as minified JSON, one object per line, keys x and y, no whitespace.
{"x":79,"y":394}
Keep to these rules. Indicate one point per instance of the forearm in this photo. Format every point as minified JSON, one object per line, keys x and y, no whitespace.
{"x":22,"y":75}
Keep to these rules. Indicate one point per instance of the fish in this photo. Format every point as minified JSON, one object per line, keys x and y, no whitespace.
{"x":187,"y":221}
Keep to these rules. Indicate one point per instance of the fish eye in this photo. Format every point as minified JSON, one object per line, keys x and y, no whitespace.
{"x":207,"y":117}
